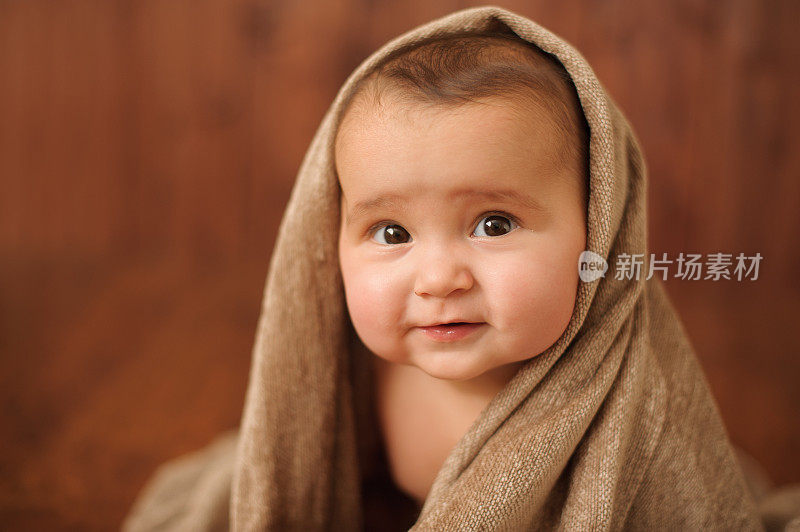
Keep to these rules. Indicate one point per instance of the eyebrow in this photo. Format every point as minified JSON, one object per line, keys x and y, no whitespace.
{"x":499,"y":195}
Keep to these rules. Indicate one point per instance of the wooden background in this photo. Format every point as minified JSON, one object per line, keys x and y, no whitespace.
{"x":148,"y":148}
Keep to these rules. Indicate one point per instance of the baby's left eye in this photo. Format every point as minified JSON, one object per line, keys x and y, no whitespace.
{"x":494,"y":225}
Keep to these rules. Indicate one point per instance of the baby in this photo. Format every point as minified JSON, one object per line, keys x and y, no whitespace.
{"x":463,"y":167}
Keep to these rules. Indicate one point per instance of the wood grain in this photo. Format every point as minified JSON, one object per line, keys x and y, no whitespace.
{"x":147,"y":150}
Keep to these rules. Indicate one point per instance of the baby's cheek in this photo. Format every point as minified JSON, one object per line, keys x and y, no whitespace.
{"x":536,"y":301}
{"x":375,"y":307}
{"x":526,"y":295}
{"x":374,"y":293}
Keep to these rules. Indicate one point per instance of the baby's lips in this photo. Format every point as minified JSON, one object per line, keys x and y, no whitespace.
{"x":450,"y":332}
{"x":451,"y":322}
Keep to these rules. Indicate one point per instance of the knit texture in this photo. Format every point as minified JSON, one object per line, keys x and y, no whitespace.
{"x":611,"y":427}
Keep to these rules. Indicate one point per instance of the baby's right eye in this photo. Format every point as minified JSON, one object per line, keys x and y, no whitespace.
{"x":391,"y":234}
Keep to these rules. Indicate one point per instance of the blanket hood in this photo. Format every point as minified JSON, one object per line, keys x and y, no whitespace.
{"x":581,"y":432}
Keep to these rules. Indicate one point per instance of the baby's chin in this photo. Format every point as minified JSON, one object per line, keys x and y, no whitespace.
{"x":450,"y":365}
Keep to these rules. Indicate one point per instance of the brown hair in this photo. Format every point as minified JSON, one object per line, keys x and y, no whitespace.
{"x":467,"y":67}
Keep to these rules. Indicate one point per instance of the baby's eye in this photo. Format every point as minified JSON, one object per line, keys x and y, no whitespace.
{"x":494,"y":225}
{"x":391,"y":234}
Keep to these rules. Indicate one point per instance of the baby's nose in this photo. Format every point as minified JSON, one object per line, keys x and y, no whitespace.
{"x":441,"y":273}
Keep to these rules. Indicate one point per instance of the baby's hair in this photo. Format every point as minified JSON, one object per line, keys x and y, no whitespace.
{"x":456,"y":69}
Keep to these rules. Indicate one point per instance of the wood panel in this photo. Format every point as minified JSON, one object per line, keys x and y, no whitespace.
{"x":147,"y":150}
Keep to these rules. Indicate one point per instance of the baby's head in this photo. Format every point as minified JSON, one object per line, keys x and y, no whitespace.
{"x":463,"y":168}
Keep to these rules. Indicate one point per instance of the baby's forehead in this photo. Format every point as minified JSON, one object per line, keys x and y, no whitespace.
{"x":498,"y":129}
{"x":470,"y":153}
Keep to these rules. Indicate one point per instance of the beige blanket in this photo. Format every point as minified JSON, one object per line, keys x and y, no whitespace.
{"x":611,"y":427}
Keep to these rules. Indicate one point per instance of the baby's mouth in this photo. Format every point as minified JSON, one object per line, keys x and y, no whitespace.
{"x":450,"y":324}
{"x":450,"y":332}
{"x":453,"y":323}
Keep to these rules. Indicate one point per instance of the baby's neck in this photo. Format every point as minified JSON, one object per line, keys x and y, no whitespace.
{"x":478,"y":391}
{"x":422,"y":418}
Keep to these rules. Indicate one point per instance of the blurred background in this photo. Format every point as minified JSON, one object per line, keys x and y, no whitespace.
{"x":147,"y":151}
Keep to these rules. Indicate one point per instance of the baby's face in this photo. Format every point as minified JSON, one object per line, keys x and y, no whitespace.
{"x":460,"y":235}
